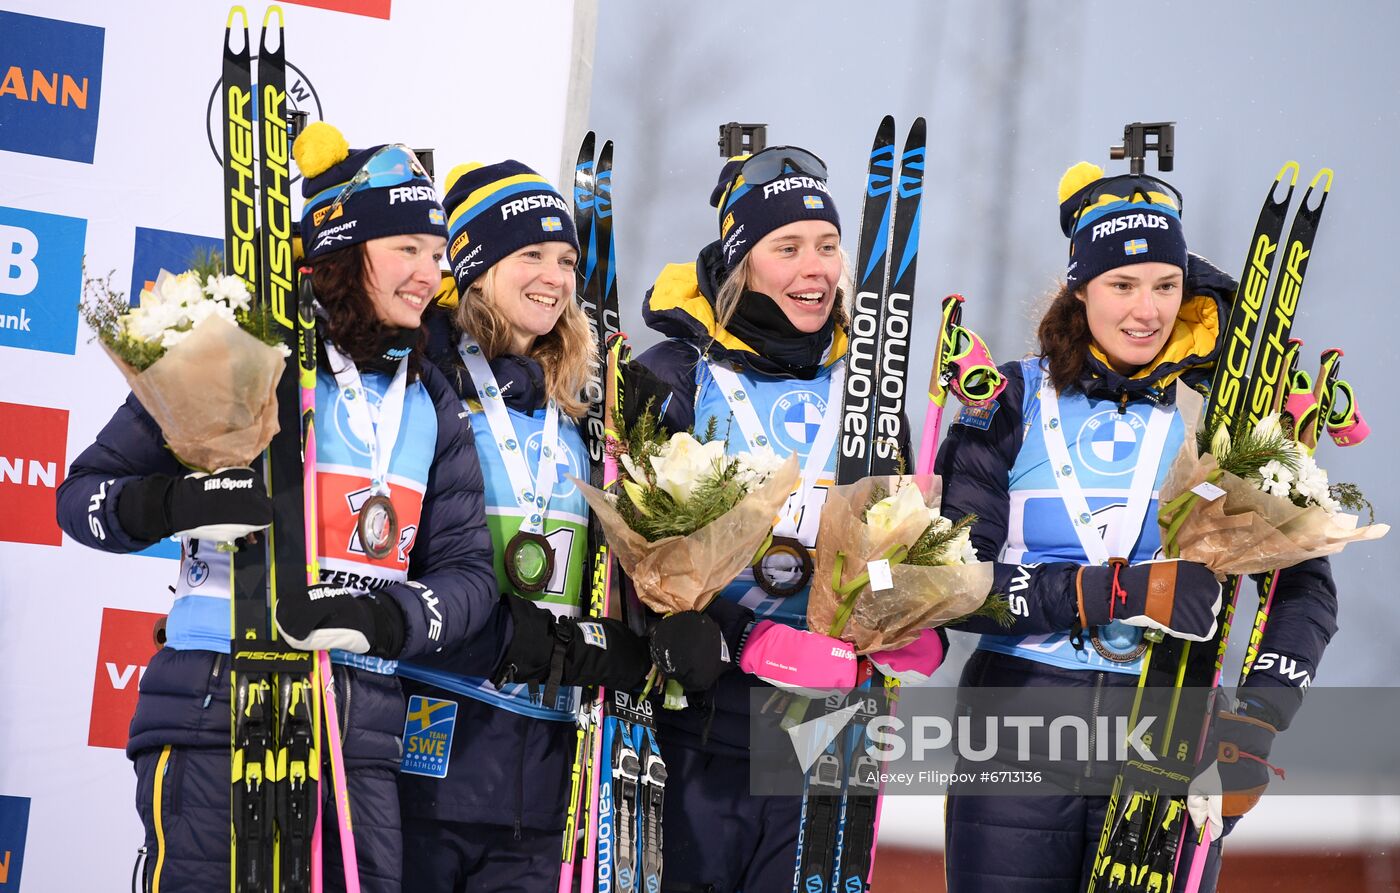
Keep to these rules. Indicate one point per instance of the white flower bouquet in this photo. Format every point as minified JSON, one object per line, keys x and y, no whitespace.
{"x":1253,"y":500}
{"x":934,"y":573}
{"x":687,"y":517}
{"x":199,"y":360}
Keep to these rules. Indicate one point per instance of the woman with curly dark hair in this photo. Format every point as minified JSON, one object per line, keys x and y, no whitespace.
{"x":1062,"y":474}
{"x":404,"y":554}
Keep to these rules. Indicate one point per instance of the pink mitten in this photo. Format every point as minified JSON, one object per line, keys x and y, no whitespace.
{"x":800,"y":661}
{"x":914,"y":663}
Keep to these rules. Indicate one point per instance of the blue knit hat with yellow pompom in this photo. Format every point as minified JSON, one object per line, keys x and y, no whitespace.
{"x":391,"y":196}
{"x":494,"y":210}
{"x":1115,"y":221}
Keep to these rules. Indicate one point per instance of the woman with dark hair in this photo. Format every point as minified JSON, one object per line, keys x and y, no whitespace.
{"x":392,"y":449}
{"x":519,"y":352}
{"x":1062,"y":474}
{"x":756,"y":341}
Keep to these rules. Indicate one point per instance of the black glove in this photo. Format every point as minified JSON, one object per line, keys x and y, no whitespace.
{"x":564,"y":651}
{"x":687,"y":647}
{"x":1243,"y":759}
{"x":325,"y":617}
{"x":642,"y":392}
{"x":1180,"y":598}
{"x":222,"y":506}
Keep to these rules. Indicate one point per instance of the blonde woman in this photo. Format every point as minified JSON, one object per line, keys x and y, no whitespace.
{"x":490,"y":727}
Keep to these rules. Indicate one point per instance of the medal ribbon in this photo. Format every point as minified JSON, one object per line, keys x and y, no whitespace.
{"x":752,"y":429}
{"x":532,"y":496}
{"x":382,"y":423}
{"x":1129,"y":527}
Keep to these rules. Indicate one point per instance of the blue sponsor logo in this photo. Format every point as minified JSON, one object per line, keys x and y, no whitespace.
{"x":14,"y":829}
{"x":50,"y":86}
{"x":979,"y":417}
{"x":427,"y":736}
{"x":41,"y":275}
{"x":159,"y":249}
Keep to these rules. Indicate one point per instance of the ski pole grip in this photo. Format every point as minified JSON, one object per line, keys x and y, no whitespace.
{"x":1347,"y":427}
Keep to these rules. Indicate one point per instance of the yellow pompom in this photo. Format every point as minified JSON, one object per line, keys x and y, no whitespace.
{"x":319,"y":148}
{"x":1077,"y":177}
{"x":458,"y":171}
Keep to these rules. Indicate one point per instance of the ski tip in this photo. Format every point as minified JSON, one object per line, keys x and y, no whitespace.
{"x":1289,"y":170}
{"x":239,"y":12}
{"x":1326,"y":173}
{"x":271,"y":11}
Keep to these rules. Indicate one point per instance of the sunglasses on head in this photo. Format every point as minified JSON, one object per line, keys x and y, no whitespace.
{"x":1126,"y":187}
{"x":773,"y":162}
{"x":393,"y":165}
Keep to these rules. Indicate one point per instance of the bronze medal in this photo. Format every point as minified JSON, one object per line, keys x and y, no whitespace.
{"x":529,"y":561}
{"x":378,"y":526}
{"x":784,"y":569}
{"x":1117,"y":657}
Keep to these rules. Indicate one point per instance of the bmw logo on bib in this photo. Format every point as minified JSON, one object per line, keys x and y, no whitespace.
{"x":796,"y":418}
{"x":1108,"y":442}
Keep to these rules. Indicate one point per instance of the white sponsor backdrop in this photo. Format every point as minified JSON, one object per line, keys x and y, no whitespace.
{"x":474,"y":81}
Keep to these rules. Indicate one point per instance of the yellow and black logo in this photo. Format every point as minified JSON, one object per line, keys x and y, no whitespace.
{"x":319,"y":216}
{"x":458,"y":244}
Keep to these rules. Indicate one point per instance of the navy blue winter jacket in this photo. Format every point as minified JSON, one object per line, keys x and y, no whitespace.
{"x":505,"y":769}
{"x":184,"y":694}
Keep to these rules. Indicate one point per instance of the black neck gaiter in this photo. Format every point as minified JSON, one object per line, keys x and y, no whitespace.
{"x":763,"y":325}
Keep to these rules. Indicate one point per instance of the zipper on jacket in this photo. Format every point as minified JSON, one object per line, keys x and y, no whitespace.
{"x":344,"y":703}
{"x":213,"y":681}
{"x":1093,"y":725}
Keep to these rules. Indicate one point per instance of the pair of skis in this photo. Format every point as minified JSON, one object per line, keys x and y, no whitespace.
{"x":840,"y":800}
{"x":1140,"y":845}
{"x":278,"y":694}
{"x":620,"y":799}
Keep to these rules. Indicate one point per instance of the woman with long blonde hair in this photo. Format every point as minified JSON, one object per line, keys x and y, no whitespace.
{"x":483,"y":789}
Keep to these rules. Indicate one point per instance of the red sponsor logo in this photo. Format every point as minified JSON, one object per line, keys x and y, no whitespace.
{"x":123,"y":651}
{"x":375,"y":9}
{"x":33,"y":446}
